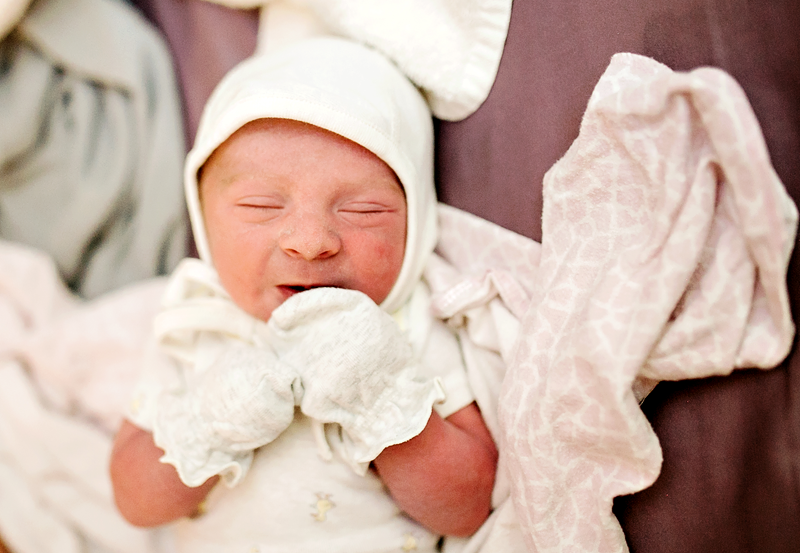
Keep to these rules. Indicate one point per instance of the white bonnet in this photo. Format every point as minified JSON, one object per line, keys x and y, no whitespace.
{"x":348,"y":89}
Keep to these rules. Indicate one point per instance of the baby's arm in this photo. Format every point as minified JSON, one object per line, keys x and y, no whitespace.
{"x":358,"y":371}
{"x":443,"y":477}
{"x":147,"y":491}
{"x":210,"y":425}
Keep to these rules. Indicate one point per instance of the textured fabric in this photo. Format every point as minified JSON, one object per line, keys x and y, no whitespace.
{"x":242,"y":400}
{"x":231,"y":394}
{"x":449,"y":48}
{"x":91,"y":144}
{"x":666,"y":239}
{"x":218,"y":355}
{"x":357,"y":369}
{"x":481,"y":281}
{"x":731,"y":444}
{"x":347,"y":89}
{"x":66,"y":371}
{"x":293,"y":501}
{"x":90,"y":159}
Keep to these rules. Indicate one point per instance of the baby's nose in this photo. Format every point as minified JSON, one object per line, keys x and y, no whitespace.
{"x":309,"y":237}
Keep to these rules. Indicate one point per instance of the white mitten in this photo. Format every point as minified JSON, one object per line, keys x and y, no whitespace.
{"x":357,"y":369}
{"x":242,"y":401}
{"x":232,"y":395}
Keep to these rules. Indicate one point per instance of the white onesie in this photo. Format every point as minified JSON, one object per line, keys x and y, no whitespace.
{"x":292,"y":500}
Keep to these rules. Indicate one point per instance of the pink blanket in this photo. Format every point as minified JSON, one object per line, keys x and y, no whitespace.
{"x":666,"y":239}
{"x":66,"y":371}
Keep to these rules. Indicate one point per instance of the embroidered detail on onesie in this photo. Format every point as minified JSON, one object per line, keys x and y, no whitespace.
{"x":410,"y":544}
{"x":323,"y":505}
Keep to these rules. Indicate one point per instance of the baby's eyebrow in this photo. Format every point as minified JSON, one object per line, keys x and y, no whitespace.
{"x":263,"y":177}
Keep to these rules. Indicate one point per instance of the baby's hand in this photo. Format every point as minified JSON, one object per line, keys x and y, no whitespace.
{"x":244,"y":400}
{"x":346,"y":348}
{"x":356,"y":366}
{"x":234,"y":395}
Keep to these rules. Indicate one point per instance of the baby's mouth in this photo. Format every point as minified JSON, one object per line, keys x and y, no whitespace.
{"x":297,"y":288}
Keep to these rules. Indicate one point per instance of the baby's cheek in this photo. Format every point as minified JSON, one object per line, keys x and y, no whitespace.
{"x":380,"y":254}
{"x":377,"y":263}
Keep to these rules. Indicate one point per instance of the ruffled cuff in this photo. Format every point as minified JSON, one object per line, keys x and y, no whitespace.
{"x":399,"y":414}
{"x":189,"y":447}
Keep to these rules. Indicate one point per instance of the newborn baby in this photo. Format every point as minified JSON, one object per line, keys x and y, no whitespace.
{"x":300,"y":363}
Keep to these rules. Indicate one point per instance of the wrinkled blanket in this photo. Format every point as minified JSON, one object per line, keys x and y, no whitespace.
{"x":66,"y":372}
{"x":666,"y":239}
{"x":666,"y":236}
{"x":90,"y":143}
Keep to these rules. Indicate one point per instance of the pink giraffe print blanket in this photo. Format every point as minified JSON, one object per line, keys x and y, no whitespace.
{"x":666,"y":239}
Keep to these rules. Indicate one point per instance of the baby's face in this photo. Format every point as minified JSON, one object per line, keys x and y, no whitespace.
{"x":289,"y":206}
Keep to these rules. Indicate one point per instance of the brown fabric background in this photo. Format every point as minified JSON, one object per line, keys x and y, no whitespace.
{"x":731,"y":445}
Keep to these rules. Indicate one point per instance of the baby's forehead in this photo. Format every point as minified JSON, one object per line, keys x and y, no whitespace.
{"x":292,"y":130}
{"x":267,"y":142}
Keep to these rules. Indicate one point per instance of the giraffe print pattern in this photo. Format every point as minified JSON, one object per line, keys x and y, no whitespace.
{"x":666,"y":239}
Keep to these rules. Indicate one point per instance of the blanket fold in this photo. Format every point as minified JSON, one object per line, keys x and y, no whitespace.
{"x":666,"y":239}
{"x":90,"y":143}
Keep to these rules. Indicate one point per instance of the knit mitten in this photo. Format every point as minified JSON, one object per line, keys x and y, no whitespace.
{"x":357,"y":369}
{"x":242,"y":401}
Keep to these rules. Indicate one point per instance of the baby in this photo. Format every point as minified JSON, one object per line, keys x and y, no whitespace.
{"x":302,"y":365}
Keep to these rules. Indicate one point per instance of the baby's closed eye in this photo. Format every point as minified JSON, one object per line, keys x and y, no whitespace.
{"x":366,"y":212}
{"x":259,"y":202}
{"x":364,"y":208}
{"x":258,"y":208}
